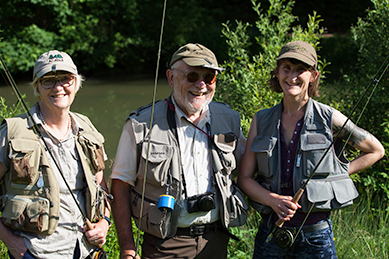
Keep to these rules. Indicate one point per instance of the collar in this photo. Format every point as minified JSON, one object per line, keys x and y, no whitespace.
{"x":76,"y":126}
{"x":205,"y":116}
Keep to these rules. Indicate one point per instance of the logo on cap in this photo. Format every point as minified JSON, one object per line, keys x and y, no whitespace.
{"x":56,"y":57}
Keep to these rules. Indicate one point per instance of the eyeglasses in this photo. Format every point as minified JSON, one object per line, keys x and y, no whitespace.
{"x":193,"y":77}
{"x":49,"y":82}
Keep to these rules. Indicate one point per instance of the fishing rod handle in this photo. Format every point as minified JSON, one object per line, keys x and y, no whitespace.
{"x":88,"y":224}
{"x":295,"y":200}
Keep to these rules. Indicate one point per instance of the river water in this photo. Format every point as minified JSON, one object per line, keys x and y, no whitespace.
{"x":107,"y":103}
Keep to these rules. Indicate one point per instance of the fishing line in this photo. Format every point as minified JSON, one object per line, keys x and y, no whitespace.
{"x":151,"y":125}
{"x":376,"y":82}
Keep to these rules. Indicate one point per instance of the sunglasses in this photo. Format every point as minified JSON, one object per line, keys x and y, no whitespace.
{"x":49,"y":82}
{"x":193,"y":77}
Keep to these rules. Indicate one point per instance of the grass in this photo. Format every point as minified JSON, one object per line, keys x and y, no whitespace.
{"x":360,"y":231}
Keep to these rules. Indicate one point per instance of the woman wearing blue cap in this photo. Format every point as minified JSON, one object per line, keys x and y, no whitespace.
{"x":51,"y":171}
{"x":285,"y":144}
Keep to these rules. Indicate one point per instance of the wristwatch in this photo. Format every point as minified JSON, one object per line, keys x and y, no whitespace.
{"x":108,"y":220}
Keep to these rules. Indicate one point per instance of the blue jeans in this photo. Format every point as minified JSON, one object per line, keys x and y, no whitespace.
{"x":318,"y":244}
{"x":27,"y":255}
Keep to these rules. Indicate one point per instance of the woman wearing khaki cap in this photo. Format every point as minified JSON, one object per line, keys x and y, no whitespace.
{"x":51,"y":170}
{"x":285,"y":145}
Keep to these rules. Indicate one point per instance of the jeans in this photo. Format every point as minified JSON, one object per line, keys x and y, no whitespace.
{"x":318,"y":244}
{"x":27,"y":255}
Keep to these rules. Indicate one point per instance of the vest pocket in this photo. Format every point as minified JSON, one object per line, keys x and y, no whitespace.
{"x":264,"y":148}
{"x":225,"y":145}
{"x":237,"y":207}
{"x":94,"y":153}
{"x":313,"y":147}
{"x":159,"y":158}
{"x":25,"y":214}
{"x":25,"y":157}
{"x":154,"y":221}
{"x":331,"y":193}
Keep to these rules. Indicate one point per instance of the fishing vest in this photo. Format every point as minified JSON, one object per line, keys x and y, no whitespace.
{"x":331,"y":187}
{"x":164,"y":167}
{"x":30,"y":200}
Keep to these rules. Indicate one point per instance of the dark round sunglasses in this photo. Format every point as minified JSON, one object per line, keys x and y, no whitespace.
{"x":193,"y":77}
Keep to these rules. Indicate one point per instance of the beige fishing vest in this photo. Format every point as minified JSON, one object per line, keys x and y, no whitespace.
{"x":30,"y":200}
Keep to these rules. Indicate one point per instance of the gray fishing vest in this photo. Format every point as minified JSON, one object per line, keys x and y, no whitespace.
{"x":30,"y":200}
{"x":164,"y":167}
{"x":331,"y":187}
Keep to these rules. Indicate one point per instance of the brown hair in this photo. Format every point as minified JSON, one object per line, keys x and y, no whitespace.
{"x":313,"y":89}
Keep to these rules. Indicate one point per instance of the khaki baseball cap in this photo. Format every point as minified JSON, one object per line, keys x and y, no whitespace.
{"x":299,"y":50}
{"x":196,"y":55}
{"x":52,"y":61}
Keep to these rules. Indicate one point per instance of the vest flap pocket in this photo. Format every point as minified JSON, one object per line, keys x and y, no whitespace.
{"x":226,"y":142}
{"x":319,"y":190}
{"x":13,"y":208}
{"x":264,"y":147}
{"x":24,"y":145}
{"x":26,"y":214}
{"x":263,"y":144}
{"x":344,"y":189}
{"x":25,"y":161}
{"x":314,"y":141}
{"x":158,"y":152}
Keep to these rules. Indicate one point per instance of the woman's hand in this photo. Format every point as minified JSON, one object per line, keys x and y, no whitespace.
{"x":284,"y":206}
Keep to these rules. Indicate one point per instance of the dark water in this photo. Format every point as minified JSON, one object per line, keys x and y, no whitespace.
{"x":106,"y":102}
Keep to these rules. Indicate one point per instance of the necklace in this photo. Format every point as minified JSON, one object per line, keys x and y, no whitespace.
{"x":48,"y":130}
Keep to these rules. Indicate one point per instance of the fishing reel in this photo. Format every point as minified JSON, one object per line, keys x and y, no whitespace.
{"x":283,"y":238}
{"x":166,"y":201}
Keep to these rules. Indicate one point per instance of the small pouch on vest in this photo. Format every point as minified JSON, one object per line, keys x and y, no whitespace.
{"x":26,"y":214}
{"x":25,"y":157}
{"x":94,"y":153}
{"x":225,"y":143}
{"x":154,"y":221}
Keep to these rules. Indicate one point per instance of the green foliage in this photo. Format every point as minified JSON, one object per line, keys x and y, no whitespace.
{"x":244,"y":84}
{"x":7,"y":111}
{"x":361,"y":231}
{"x":371,"y":36}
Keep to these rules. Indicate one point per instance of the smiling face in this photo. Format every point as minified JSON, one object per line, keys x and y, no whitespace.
{"x":294,"y":78}
{"x":57,"y":98}
{"x":190,"y":97}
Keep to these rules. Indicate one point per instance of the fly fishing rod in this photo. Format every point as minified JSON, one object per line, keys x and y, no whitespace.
{"x":38,"y":132}
{"x":279,"y":223}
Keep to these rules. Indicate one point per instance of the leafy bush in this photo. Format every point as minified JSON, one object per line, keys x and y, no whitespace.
{"x":371,"y":37}
{"x":244,"y":84}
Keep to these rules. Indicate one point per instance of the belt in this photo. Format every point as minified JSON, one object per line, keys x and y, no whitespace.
{"x":310,"y":228}
{"x":198,"y":230}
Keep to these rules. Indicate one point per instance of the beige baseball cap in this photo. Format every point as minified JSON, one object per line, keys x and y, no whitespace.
{"x":196,"y":55}
{"x":299,"y":50}
{"x":52,"y":61}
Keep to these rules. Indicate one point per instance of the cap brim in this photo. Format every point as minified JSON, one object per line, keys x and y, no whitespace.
{"x":59,"y":67}
{"x":198,"y":62}
{"x":297,"y":56}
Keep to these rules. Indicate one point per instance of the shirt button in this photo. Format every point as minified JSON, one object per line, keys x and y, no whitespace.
{"x":291,"y":141}
{"x":298,"y":124}
{"x":288,"y":161}
{"x":287,"y":170}
{"x":295,"y":132}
